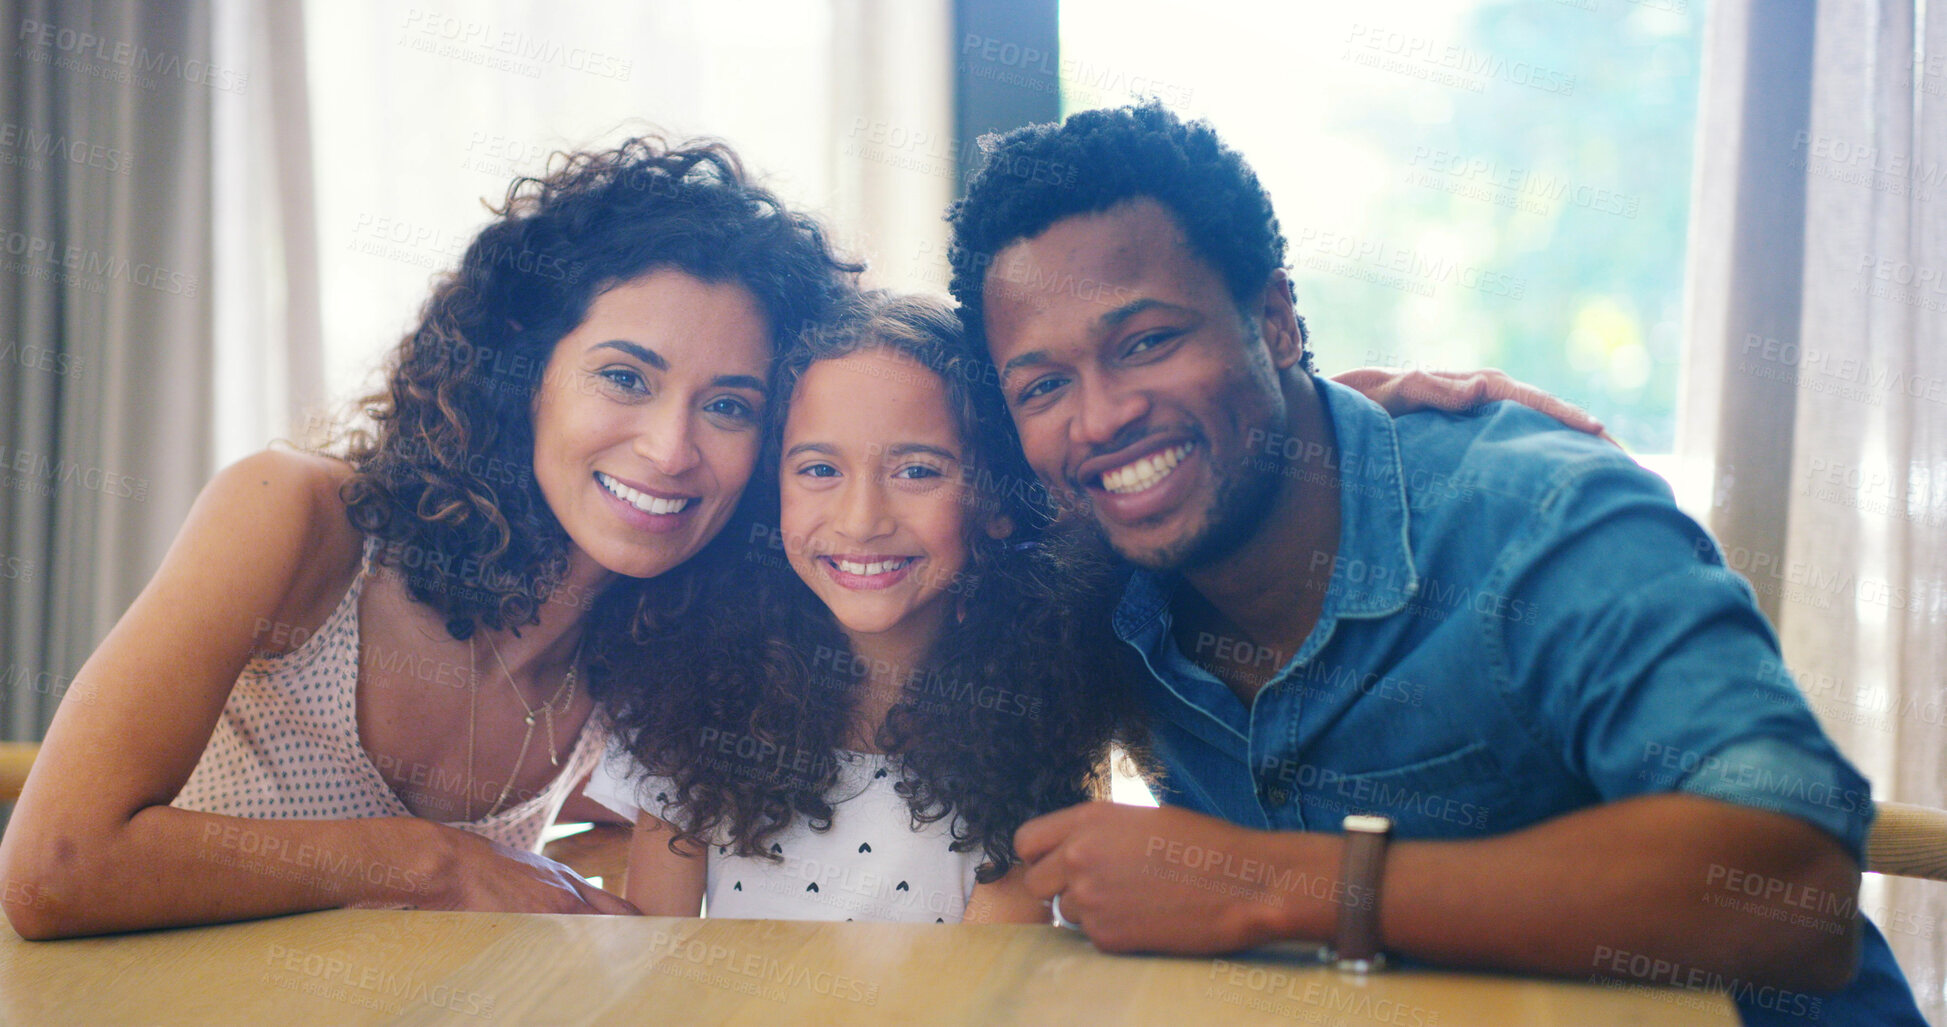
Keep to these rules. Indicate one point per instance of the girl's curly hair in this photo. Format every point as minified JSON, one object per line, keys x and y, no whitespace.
{"x":445,"y":478}
{"x":748,"y":689}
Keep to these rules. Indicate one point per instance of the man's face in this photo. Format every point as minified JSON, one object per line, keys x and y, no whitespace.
{"x":1137,"y":384}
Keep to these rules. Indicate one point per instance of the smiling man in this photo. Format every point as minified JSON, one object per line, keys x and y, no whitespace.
{"x":1462,"y":689}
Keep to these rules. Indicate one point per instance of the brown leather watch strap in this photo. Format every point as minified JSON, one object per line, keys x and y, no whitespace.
{"x":1356,"y":947}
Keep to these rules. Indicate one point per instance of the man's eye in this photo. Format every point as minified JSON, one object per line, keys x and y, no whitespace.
{"x":1040,"y":387}
{"x":1150,"y":341}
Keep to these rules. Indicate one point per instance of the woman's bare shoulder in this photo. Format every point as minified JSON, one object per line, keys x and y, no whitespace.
{"x":288,"y":504}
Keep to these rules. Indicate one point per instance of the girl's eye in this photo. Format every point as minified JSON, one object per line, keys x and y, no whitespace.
{"x":623,"y":378}
{"x":916,"y":471}
{"x":732,"y":407}
{"x":818,"y":471}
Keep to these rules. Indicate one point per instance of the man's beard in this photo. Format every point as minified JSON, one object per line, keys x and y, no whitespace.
{"x":1243,"y":498}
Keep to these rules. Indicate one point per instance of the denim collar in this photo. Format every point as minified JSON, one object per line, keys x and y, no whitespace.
{"x":1373,"y":575}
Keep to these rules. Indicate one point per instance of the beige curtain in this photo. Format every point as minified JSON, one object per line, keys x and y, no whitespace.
{"x":1816,"y":390}
{"x":105,"y":318}
{"x":159,"y":314}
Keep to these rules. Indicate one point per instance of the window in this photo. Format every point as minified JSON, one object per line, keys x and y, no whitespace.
{"x":1461,"y":185}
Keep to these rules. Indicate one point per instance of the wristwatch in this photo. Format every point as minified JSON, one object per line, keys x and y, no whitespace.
{"x":1356,"y":947}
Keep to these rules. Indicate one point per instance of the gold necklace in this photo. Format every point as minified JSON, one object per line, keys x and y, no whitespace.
{"x":566,"y":688}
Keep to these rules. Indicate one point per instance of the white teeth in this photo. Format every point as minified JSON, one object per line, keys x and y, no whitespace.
{"x":1145,"y":473}
{"x":641,"y":501}
{"x":876,"y":567}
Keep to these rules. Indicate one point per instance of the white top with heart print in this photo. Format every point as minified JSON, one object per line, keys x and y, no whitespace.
{"x":872,"y":864}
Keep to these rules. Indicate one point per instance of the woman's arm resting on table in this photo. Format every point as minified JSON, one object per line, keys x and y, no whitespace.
{"x":1581,"y":895}
{"x":661,"y":882}
{"x":94,"y":845}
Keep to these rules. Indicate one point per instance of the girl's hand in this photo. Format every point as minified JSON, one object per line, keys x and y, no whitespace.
{"x":482,"y":876}
{"x":1404,"y":392}
{"x":1007,"y":901}
{"x":662,"y":882}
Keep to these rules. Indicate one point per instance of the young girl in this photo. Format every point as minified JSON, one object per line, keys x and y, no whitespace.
{"x":364,"y":679}
{"x":854,"y":731}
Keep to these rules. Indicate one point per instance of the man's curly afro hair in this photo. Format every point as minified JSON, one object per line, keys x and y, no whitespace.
{"x":1037,"y":175}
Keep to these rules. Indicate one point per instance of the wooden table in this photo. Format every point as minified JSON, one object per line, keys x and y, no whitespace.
{"x":368,"y":966}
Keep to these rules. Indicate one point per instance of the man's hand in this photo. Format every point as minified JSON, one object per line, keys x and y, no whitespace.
{"x":1168,"y":880}
{"x":1403,"y":392}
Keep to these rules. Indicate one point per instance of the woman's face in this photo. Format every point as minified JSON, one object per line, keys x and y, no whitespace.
{"x":647,"y":421}
{"x":873,"y":499}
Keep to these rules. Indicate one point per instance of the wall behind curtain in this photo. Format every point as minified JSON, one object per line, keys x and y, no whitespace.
{"x":105,"y":320}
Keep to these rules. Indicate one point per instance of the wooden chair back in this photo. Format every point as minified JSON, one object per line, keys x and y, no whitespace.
{"x":1908,"y":840}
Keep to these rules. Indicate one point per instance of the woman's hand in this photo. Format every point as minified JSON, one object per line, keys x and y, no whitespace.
{"x":477,"y":875}
{"x":1405,"y":392}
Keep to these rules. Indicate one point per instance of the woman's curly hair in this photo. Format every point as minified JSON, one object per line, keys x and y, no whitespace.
{"x":445,"y":477}
{"x":748,"y":690}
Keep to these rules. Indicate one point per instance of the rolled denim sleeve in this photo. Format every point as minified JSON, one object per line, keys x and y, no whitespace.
{"x":1654,"y":668}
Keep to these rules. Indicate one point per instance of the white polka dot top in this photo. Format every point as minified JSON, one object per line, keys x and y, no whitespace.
{"x":286,"y":745}
{"x":873,"y":863}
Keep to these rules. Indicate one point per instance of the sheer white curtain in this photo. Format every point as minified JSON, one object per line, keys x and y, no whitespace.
{"x":1821,"y":418}
{"x":268,"y":347}
{"x":424,"y":111}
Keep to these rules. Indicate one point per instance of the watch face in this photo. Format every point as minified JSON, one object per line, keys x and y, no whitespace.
{"x":1368,"y":823}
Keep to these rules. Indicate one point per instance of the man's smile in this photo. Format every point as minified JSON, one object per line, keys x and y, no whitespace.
{"x":1144,"y":472}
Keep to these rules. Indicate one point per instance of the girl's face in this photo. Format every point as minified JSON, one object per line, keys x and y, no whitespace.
{"x":647,"y":421}
{"x":873,"y":503}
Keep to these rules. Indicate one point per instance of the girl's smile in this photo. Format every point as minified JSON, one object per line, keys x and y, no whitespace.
{"x":865,"y":572}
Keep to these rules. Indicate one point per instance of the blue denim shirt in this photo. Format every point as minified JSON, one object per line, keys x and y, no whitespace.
{"x":1519,"y":623}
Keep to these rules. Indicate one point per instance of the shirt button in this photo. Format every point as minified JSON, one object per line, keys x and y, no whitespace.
{"x":1276,"y":796}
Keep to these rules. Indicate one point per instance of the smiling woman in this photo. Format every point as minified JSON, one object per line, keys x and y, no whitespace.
{"x":646,"y":422}
{"x":296,"y":713}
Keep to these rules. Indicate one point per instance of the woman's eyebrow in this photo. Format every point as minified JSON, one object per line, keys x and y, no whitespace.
{"x":636,"y":350}
{"x":655,"y":360}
